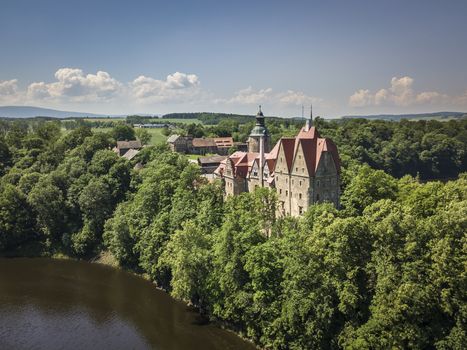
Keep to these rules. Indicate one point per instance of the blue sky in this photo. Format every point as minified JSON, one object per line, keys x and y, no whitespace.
{"x":345,"y":57}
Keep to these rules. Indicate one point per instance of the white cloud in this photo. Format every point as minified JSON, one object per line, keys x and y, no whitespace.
{"x":249,"y":96}
{"x":9,"y":92}
{"x":73,"y":85}
{"x":401,"y":93}
{"x":8,"y":87}
{"x":177,"y":87}
{"x":361,"y":98}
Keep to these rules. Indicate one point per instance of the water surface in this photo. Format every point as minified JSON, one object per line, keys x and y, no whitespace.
{"x":65,"y":304}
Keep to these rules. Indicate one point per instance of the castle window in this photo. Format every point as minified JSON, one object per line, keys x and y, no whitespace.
{"x":296,"y":169}
{"x":280,"y":190}
{"x":286,"y":193}
{"x":280,"y":159}
{"x":303,"y":170}
{"x":300,"y":210}
{"x":299,"y":157}
{"x":300,"y":182}
{"x":317,"y":183}
{"x":300,"y":195}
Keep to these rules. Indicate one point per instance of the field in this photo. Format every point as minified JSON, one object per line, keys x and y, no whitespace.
{"x":156,"y":134}
{"x":176,"y":120}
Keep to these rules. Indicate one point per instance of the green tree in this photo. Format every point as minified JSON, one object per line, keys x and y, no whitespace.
{"x":16,"y":221}
{"x":122,"y":132}
{"x":143,"y":135}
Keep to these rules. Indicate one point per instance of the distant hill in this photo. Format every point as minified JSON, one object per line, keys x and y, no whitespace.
{"x":419,"y":116}
{"x":31,"y":112}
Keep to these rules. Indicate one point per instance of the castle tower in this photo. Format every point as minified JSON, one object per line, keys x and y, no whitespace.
{"x":259,"y":132}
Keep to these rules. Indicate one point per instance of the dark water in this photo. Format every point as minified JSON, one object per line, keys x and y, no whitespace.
{"x":51,"y":304}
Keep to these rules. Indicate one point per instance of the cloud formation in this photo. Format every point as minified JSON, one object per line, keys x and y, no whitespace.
{"x":401,"y":93}
{"x":176,"y":87}
{"x":249,"y":96}
{"x":72,"y":84}
{"x":9,"y":91}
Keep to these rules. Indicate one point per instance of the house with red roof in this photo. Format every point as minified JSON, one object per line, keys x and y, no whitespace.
{"x":303,"y":170}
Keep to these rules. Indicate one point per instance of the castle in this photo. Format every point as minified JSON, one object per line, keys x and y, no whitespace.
{"x":303,"y":170}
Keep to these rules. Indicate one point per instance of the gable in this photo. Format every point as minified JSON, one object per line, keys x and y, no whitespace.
{"x":326,"y":165}
{"x":299,"y":165}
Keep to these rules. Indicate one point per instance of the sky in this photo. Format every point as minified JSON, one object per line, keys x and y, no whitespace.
{"x":350,"y":57}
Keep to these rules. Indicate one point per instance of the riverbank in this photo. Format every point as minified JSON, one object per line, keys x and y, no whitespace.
{"x":36,"y":250}
{"x":106,"y":308}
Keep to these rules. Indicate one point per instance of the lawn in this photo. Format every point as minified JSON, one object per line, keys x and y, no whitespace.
{"x":156,"y":136}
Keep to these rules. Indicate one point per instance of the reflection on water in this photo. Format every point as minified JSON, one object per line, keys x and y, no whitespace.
{"x":50,"y":304}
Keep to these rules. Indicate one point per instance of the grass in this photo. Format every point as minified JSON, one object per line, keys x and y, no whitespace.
{"x":156,"y":134}
{"x":176,"y":120}
{"x":196,"y":156}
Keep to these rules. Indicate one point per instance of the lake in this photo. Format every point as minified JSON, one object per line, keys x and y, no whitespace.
{"x":66,"y":304}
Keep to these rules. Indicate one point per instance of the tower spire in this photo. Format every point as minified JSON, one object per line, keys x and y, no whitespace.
{"x":311,"y":114}
{"x":309,"y":122}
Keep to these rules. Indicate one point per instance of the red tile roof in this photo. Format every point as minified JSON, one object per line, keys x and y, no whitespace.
{"x":312,"y":144}
{"x":288,"y":144}
{"x":203,"y":142}
{"x":224,"y":142}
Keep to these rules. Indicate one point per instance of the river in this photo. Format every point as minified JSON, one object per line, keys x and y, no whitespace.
{"x":66,"y":304}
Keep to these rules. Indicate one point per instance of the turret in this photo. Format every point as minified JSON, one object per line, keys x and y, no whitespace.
{"x":258,"y":132}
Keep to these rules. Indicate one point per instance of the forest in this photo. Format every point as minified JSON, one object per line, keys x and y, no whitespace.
{"x":386,"y":270}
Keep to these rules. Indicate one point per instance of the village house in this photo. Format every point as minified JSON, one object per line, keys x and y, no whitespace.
{"x":209,"y":164}
{"x":303,"y":170}
{"x":201,"y":146}
{"x":123,"y":147}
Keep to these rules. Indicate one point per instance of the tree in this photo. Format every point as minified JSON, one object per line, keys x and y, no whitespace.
{"x":143,"y":135}
{"x":367,"y":186}
{"x":16,"y":221}
{"x":122,"y":132}
{"x":48,"y":202}
{"x":5,"y":156}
